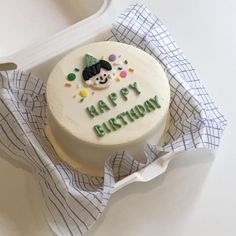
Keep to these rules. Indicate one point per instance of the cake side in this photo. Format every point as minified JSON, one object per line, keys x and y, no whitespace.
{"x":90,"y":158}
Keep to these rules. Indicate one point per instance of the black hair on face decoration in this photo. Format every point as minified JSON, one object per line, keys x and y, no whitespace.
{"x":95,"y":69}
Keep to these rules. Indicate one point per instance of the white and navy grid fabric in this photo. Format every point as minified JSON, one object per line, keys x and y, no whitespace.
{"x":74,"y":201}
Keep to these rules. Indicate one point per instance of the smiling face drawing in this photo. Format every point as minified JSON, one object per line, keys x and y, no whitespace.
{"x":98,"y":74}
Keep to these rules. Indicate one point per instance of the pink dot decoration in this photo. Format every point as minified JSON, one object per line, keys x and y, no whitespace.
{"x":123,"y":74}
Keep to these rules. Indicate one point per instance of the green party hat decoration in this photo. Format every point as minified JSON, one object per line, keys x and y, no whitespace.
{"x":91,"y":60}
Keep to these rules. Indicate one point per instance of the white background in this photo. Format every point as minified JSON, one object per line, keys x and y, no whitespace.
{"x":197,"y":194}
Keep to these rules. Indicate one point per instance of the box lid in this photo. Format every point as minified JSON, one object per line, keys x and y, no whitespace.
{"x":29,"y":22}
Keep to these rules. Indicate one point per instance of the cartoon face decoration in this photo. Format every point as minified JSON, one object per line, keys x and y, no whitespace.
{"x":97,"y":73}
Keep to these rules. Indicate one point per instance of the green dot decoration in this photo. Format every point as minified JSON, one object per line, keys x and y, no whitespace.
{"x":71,"y":76}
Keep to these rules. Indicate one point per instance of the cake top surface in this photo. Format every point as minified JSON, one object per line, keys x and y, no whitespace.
{"x":108,"y":93}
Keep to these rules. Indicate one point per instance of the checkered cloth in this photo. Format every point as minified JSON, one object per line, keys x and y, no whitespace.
{"x":74,"y":201}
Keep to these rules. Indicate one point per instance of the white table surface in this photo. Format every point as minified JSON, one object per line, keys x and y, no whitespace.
{"x":197,"y":195}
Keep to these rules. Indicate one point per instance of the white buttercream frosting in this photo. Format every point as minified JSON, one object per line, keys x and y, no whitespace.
{"x":71,"y":128}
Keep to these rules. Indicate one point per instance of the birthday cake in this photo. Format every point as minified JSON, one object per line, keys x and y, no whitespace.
{"x":105,"y":98}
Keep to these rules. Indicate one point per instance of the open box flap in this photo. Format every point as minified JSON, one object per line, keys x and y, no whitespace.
{"x":30,"y":22}
{"x":61,"y":42}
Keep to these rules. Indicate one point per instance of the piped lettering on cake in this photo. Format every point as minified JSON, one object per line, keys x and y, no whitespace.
{"x":92,"y":111}
{"x":124,"y":93}
{"x":134,"y":87}
{"x":113,"y":97}
{"x":103,"y":106}
{"x":124,"y":118}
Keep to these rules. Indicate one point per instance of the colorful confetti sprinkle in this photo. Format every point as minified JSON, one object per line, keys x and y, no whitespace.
{"x":112,"y":57}
{"x":117,"y":78}
{"x":81,"y":100}
{"x":93,"y":92}
{"x":117,"y":63}
{"x":120,"y":68}
{"x":77,"y":69}
{"x":71,"y":76}
{"x":126,"y":62}
{"x":67,"y":85}
{"x":84,"y":92}
{"x":74,"y":96}
{"x":131,"y":69}
{"x":123,"y":74}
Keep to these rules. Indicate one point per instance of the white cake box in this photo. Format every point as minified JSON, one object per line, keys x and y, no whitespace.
{"x":48,"y":30}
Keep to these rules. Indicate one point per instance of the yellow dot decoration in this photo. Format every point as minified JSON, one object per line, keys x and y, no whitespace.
{"x":84,"y":92}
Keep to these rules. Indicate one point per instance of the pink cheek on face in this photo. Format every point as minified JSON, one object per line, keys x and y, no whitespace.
{"x":94,"y":81}
{"x":123,"y":74}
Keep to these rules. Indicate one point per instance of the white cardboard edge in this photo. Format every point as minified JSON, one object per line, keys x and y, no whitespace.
{"x":76,"y":35}
{"x":148,"y":173}
{"x":69,"y":38}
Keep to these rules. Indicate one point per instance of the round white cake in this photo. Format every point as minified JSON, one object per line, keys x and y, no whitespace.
{"x":104,"y":98}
